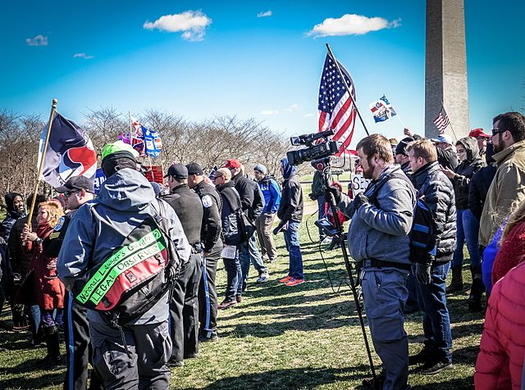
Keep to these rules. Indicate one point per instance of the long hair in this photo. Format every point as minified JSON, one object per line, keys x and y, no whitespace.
{"x":54,"y":209}
{"x":516,"y":217}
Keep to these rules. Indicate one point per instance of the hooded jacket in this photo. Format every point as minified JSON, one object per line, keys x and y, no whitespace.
{"x":12,"y":215}
{"x":251,"y":196}
{"x":99,"y":226}
{"x":291,"y":207}
{"x":507,"y":189}
{"x":465,"y":170}
{"x":438,"y":194}
{"x":480,"y":183}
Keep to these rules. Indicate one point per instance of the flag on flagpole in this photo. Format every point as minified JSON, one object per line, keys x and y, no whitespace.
{"x":145,"y":141}
{"x":336,"y":106}
{"x":382,"y":109}
{"x":442,"y":120}
{"x":69,"y":152}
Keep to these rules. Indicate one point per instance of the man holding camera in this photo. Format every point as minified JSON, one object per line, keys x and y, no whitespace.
{"x":378,"y":240}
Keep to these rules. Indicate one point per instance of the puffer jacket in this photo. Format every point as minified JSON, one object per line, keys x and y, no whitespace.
{"x":465,"y":170}
{"x":438,"y":193}
{"x":502,"y":348}
{"x":99,"y":226}
{"x":507,"y":189}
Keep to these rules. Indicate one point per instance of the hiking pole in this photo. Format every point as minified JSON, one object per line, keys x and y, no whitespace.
{"x":339,"y":227}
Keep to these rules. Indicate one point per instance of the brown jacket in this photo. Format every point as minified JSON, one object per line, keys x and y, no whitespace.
{"x":506,"y":191}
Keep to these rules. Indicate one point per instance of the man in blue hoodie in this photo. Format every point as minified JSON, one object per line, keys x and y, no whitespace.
{"x":134,"y":355}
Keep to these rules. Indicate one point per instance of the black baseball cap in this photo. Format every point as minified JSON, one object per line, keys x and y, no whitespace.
{"x":178,"y":171}
{"x":77,"y":183}
{"x":194,"y":169}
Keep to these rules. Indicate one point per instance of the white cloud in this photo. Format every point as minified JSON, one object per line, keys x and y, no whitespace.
{"x":309,"y":115}
{"x":293,"y":107}
{"x":351,"y":24}
{"x":269,"y":112}
{"x":265,"y":14}
{"x":39,"y":40}
{"x":82,"y":55}
{"x":192,"y":23}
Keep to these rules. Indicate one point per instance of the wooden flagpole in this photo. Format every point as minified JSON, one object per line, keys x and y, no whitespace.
{"x":346,"y":86}
{"x":41,"y":165}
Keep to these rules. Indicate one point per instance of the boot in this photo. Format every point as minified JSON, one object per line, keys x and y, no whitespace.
{"x":476,"y":291}
{"x":457,"y":280}
{"x":53,"y":357}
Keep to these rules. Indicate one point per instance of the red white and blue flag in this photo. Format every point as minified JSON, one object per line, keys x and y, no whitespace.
{"x":442,"y":121}
{"x":145,"y":141}
{"x":69,"y":152}
{"x":336,"y":106}
{"x":382,"y":109}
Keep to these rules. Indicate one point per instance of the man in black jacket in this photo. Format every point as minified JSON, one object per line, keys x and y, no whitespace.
{"x":212,"y":247}
{"x":252,"y":201}
{"x":431,"y":273}
{"x":184,"y":305}
{"x":291,"y":213}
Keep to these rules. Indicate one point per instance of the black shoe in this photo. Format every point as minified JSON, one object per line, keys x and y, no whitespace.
{"x":424,"y":356}
{"x":370,"y":383}
{"x":474,"y":304}
{"x":238,"y":298}
{"x":213,"y":337}
{"x":435,"y":367}
{"x":175,"y":363}
{"x":192,"y":355}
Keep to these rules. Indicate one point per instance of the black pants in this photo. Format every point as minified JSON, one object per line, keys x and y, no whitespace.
{"x":184,"y":310}
{"x":208,"y":295}
{"x":78,"y":348}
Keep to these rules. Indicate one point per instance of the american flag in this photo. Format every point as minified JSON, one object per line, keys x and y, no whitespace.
{"x":337,"y":110}
{"x":442,"y":120}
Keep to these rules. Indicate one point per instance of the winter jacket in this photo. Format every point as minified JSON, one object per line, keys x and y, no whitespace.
{"x":99,"y":226}
{"x":272,"y":195}
{"x":317,"y":185}
{"x":502,"y":348}
{"x":211,"y":223}
{"x":291,"y":207}
{"x":511,"y":252}
{"x":379,"y":229}
{"x":507,"y":189}
{"x":12,"y":215}
{"x":188,"y":207}
{"x":465,"y":170}
{"x":251,"y":196}
{"x":20,"y":258}
{"x":434,"y":188}
{"x":447,"y":157}
{"x":231,"y":201}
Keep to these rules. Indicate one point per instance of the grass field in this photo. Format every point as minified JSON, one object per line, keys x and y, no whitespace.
{"x":303,"y":337}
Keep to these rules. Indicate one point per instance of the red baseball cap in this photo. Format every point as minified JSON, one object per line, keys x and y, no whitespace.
{"x":478,"y":133}
{"x":232,"y":163}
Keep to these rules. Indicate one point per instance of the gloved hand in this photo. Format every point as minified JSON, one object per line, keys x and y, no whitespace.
{"x":359,"y":200}
{"x":278,"y":229}
{"x":312,"y":196}
{"x":332,"y":195}
{"x":422,"y":273}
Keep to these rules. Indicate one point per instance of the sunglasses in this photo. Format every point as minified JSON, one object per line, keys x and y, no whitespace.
{"x":67,"y":194}
{"x":497,"y":131}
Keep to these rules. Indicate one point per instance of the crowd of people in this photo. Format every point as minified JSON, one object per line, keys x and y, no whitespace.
{"x":474,"y":188}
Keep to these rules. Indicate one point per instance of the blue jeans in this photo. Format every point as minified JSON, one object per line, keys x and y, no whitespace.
{"x":436,"y":320}
{"x":233,"y":276}
{"x":467,"y":230}
{"x":384,"y":296}
{"x":291,"y":238}
{"x":249,"y":252}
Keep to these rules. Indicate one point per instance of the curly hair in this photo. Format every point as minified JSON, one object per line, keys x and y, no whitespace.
{"x":54,"y":209}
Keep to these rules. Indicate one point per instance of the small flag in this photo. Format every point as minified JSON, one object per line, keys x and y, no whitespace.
{"x":442,"y":120}
{"x":336,"y":106}
{"x":69,"y":152}
{"x":382,"y":109}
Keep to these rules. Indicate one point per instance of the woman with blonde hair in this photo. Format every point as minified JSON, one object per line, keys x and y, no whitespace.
{"x":49,"y":290}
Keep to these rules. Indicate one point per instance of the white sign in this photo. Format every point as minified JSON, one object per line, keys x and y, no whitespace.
{"x":358,"y":184}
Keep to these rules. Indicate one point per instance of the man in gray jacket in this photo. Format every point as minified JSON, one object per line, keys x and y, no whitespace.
{"x":378,"y":240}
{"x":135,"y":355}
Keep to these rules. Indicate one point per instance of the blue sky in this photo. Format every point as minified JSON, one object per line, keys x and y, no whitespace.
{"x":253,"y":59}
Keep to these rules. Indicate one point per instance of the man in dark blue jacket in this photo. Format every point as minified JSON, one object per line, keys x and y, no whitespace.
{"x":431,"y":271}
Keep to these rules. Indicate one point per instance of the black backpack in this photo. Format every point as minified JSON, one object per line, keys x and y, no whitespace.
{"x":135,"y":276}
{"x":423,"y":233}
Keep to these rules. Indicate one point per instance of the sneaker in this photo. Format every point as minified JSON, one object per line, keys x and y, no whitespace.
{"x":263,"y":277}
{"x":226,"y":305}
{"x":285,"y":280}
{"x":435,"y":367}
{"x":238,"y":298}
{"x":294,"y":282}
{"x":211,"y":336}
{"x":326,"y":241}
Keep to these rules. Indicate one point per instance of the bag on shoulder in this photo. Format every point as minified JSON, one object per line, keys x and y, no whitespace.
{"x":423,"y":233}
{"x":134,"y":277}
{"x":245,"y":225}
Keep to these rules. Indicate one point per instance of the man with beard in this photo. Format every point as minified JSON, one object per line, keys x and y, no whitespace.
{"x":378,"y":240}
{"x":507,"y":188}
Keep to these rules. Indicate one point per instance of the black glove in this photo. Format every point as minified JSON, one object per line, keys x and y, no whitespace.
{"x":278,"y":229}
{"x":332,"y":195}
{"x":359,"y":200}
{"x":312,"y":196}
{"x":422,"y":273}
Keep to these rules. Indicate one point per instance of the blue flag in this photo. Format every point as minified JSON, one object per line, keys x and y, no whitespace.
{"x":382,"y":109}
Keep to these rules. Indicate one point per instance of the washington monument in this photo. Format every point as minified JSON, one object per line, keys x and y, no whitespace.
{"x":446,"y":67}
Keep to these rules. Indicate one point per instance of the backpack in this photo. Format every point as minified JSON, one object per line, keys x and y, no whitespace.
{"x":133,"y":278}
{"x":423,"y":233}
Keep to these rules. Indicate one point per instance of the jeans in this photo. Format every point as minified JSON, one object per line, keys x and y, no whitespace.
{"x":233,"y":276}
{"x":249,"y":252}
{"x":384,"y":296}
{"x":467,"y":230}
{"x":291,"y":238}
{"x":436,"y":320}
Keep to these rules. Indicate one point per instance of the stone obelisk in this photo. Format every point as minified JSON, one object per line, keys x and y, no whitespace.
{"x":446,"y":67}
